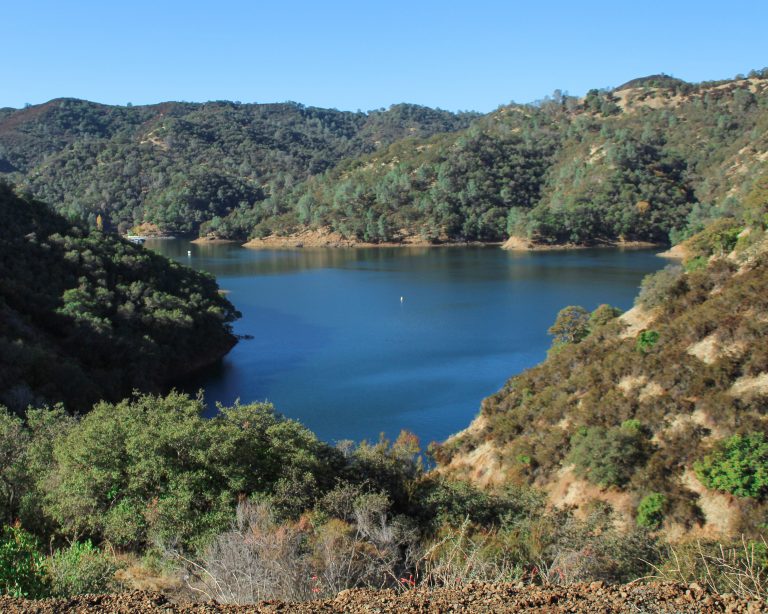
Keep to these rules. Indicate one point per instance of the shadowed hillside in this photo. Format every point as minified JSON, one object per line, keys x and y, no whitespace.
{"x":86,"y":315}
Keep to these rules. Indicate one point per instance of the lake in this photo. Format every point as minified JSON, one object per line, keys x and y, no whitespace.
{"x":335,"y":347}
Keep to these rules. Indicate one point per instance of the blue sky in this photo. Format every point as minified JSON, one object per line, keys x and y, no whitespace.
{"x":366,"y":55}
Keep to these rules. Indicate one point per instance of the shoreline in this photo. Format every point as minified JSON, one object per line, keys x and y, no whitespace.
{"x":207,"y":241}
{"x":326,"y":239}
{"x":518,"y":244}
{"x":290,"y":243}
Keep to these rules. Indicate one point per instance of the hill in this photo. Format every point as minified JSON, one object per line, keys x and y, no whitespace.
{"x":659,"y":412}
{"x":85,"y":315}
{"x":652,"y":161}
{"x":178,"y":164}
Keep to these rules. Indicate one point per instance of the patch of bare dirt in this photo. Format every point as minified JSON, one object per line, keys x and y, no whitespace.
{"x":629,"y":383}
{"x":719,"y":509}
{"x":567,"y":490}
{"x":524,"y":244}
{"x":482,"y":466}
{"x":677,"y":252}
{"x":750,"y":387}
{"x":474,"y":597}
{"x":517,"y":244}
{"x":636,"y":320}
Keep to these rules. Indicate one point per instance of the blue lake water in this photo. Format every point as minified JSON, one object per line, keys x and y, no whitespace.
{"x":334,"y":347}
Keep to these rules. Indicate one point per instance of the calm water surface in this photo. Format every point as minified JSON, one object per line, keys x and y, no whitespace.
{"x":335,"y":348}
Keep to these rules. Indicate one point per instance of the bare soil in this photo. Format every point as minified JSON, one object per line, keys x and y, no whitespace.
{"x":587,"y":598}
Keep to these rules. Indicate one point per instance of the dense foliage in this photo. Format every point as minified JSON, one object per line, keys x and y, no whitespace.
{"x":262,"y":506}
{"x":655,"y":159}
{"x":177,"y":165}
{"x":608,"y":457}
{"x":650,"y":511}
{"x":652,"y":161}
{"x":85,"y":315}
{"x":22,"y":566}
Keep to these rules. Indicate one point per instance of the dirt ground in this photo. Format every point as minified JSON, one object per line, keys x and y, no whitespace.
{"x":586,"y":598}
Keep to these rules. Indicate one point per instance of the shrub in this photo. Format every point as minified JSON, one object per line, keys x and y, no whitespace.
{"x":695,"y":264}
{"x":22,"y":566}
{"x":646,"y":340}
{"x":739,"y":568}
{"x":738,"y":466}
{"x":602,"y":315}
{"x":719,"y":237}
{"x":650,"y":512}
{"x":608,"y":457}
{"x":259,"y":558}
{"x":594,"y":549}
{"x":658,"y":287}
{"x":80,"y":569}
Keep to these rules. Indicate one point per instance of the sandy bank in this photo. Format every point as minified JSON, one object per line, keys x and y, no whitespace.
{"x":523,"y":244}
{"x":210,"y":241}
{"x":324,"y":237}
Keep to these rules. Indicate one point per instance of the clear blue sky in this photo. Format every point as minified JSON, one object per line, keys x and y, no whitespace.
{"x":365,"y":55}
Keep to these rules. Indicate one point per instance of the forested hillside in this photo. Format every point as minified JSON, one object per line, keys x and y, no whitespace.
{"x":85,"y":315}
{"x":177,"y":165}
{"x":653,"y":160}
{"x":660,"y":411}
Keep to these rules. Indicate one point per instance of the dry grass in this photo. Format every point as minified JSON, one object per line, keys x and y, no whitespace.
{"x":461,"y":557}
{"x":740,"y":570}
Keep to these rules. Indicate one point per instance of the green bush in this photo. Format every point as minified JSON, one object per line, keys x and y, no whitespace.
{"x":153,"y":468}
{"x":695,"y":264}
{"x":719,"y":237}
{"x":646,"y":340}
{"x":22,"y":566}
{"x":609,"y":457}
{"x":650,"y":512}
{"x":80,"y":569}
{"x":738,"y":466}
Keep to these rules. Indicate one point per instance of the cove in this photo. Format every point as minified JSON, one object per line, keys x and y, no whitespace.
{"x":335,"y":347}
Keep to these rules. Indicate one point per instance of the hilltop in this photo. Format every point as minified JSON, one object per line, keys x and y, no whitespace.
{"x":642,"y":163}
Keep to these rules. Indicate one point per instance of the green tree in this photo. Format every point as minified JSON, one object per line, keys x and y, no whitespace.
{"x":571,"y":325}
{"x":602,"y":315}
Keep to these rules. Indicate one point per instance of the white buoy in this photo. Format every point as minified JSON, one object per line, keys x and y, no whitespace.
{"x":189,"y":252}
{"x":402,"y":298}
